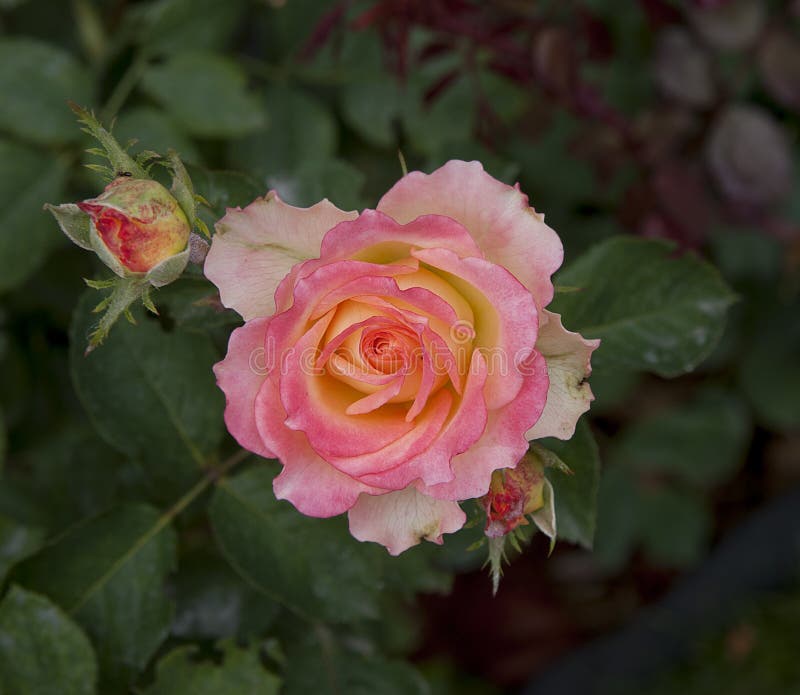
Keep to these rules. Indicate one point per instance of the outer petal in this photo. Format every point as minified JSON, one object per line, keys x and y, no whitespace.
{"x":375,"y":229}
{"x":404,"y":518}
{"x":240,"y":376}
{"x":567,"y":355}
{"x":255,"y":247}
{"x":503,"y":442}
{"x":375,"y":237}
{"x":498,"y":217}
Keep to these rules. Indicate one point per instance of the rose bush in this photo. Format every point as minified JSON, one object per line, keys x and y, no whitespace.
{"x":393,"y":359}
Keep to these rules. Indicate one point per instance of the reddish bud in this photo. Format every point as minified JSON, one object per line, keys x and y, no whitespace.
{"x":513,"y":493}
{"x":138,"y":222}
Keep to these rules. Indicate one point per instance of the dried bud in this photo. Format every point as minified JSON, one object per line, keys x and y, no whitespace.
{"x":729,"y":26}
{"x":513,"y":493}
{"x":749,"y":156}
{"x":682,"y":70}
{"x":139,"y":224}
{"x":779,"y":63}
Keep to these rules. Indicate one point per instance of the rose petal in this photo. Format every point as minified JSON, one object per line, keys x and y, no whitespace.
{"x":402,"y":519}
{"x":434,"y":464}
{"x":507,"y":230}
{"x":503,"y":442}
{"x":567,"y":355}
{"x":313,"y":486}
{"x":240,"y":376}
{"x":506,"y":319}
{"x":375,"y":236}
{"x":255,"y":247}
{"x":316,"y":404}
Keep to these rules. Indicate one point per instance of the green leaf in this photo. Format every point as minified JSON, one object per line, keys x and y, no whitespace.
{"x":184,"y":83}
{"x":322,"y":664}
{"x":417,"y":570}
{"x":42,"y":651}
{"x":701,"y":442}
{"x":675,"y":526}
{"x":652,"y":311}
{"x":287,"y":26}
{"x":769,"y":371}
{"x":240,"y":673}
{"x":3,"y":435}
{"x":17,"y":541}
{"x":154,"y":130}
{"x":76,"y":475}
{"x":151,"y":395}
{"x":169,"y":26}
{"x":617,"y":518}
{"x":36,"y":81}
{"x":28,"y":178}
{"x":193,"y":303}
{"x":333,"y":179}
{"x":672,"y":524}
{"x":559,"y":188}
{"x":743,"y":255}
{"x":449,"y":118}
{"x":301,"y":129}
{"x":372,"y":108}
{"x":224,"y":189}
{"x":612,"y":388}
{"x":213,"y":602}
{"x":311,"y":565}
{"x":576,"y":494}
{"x":109,"y":573}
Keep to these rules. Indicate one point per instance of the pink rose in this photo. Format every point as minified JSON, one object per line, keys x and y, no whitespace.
{"x":393,"y":359}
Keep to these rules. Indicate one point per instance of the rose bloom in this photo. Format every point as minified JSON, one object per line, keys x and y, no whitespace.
{"x":393,"y":359}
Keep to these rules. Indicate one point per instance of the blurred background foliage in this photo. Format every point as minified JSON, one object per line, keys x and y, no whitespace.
{"x":672,"y":119}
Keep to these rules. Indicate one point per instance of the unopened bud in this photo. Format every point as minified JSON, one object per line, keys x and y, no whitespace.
{"x":513,"y":493}
{"x":139,"y":224}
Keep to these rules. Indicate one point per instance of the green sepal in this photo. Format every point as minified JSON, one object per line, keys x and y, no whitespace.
{"x":147,"y":301}
{"x":99,"y":284}
{"x":102,"y":305}
{"x":545,"y":518}
{"x":124,"y":292}
{"x":183,"y":191}
{"x":169,"y":270}
{"x":74,"y":222}
{"x":120,"y":161}
{"x":497,"y":555}
{"x":545,"y":521}
{"x":549,"y":459}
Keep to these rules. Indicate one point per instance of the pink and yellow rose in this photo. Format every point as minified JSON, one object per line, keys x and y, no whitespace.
{"x":393,"y":359}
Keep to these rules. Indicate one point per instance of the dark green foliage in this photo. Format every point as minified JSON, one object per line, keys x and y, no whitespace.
{"x":134,"y":558}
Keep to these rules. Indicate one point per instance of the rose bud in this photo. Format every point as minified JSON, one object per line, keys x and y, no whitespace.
{"x":136,"y":225}
{"x":513,"y":493}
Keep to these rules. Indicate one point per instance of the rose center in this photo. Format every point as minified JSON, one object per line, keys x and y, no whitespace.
{"x":389,"y":350}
